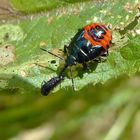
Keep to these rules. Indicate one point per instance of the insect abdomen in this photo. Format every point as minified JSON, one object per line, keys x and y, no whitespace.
{"x":50,"y":85}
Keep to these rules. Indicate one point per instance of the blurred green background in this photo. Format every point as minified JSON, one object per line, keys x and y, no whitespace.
{"x":106,"y":105}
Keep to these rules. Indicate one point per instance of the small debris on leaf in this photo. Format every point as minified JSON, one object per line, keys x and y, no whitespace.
{"x":7,"y":54}
{"x":42,"y":44}
{"x":23,"y":73}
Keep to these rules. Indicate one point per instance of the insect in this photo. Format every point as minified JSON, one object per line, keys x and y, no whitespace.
{"x":90,"y":43}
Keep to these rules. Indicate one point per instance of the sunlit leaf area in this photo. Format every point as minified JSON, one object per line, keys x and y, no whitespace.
{"x":106,"y":103}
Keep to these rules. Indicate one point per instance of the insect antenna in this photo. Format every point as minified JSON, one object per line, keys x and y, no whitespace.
{"x":53,"y":54}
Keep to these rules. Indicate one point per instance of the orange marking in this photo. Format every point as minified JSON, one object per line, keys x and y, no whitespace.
{"x":103,"y":42}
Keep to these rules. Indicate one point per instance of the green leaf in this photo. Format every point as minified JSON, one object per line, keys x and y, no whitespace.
{"x":103,"y":92}
{"x":32,"y":6}
{"x":54,"y":30}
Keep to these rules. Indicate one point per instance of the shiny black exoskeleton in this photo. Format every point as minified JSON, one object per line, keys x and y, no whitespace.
{"x":90,"y":42}
{"x":50,"y":85}
{"x":79,"y":51}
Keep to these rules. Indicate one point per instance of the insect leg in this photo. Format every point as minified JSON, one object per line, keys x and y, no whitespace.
{"x":85,"y":66}
{"x":65,"y":48}
{"x":73,"y":87}
{"x":105,"y":54}
{"x":100,"y":59}
{"x":103,"y":57}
